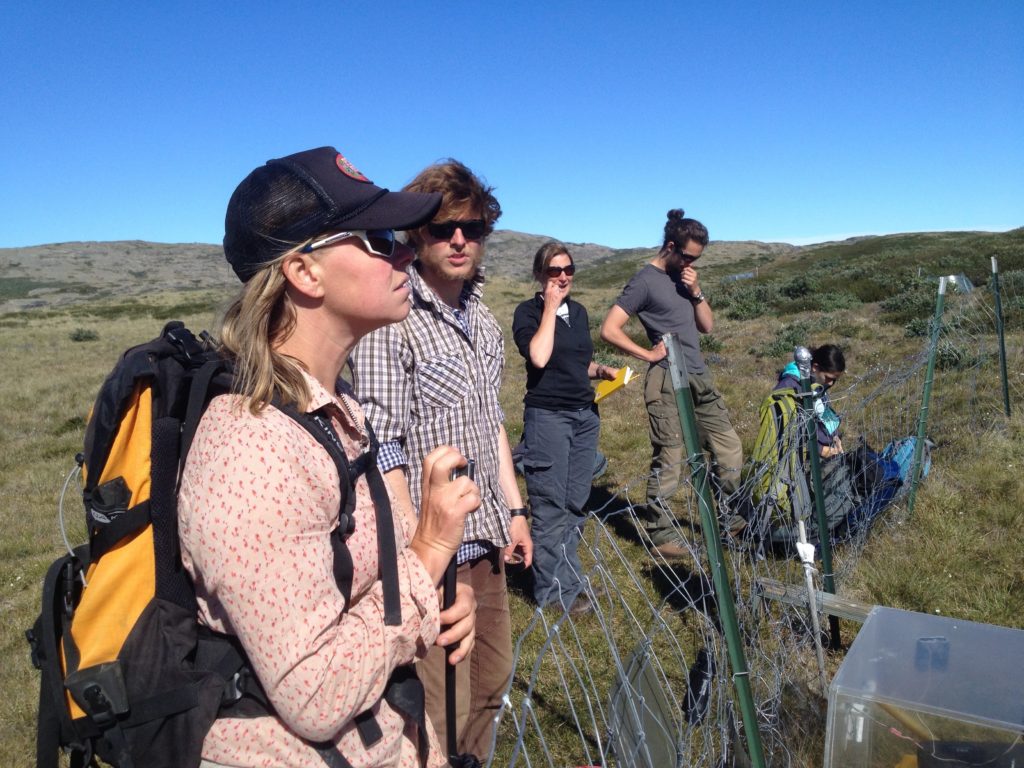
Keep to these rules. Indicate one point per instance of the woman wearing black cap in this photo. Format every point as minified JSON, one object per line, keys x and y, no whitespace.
{"x":312,"y":240}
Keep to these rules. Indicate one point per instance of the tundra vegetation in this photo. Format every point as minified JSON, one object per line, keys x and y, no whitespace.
{"x":957,"y":554}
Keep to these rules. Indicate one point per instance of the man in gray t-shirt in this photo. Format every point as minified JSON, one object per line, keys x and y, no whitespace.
{"x":666,"y":296}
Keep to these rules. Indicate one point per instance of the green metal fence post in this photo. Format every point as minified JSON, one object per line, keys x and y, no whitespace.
{"x":1002,"y":337}
{"x":712,"y":540}
{"x":922,"y":417}
{"x":802,"y":356}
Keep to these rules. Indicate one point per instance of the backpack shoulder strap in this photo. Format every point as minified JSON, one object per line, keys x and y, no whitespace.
{"x":318,"y":424}
{"x":51,"y":627}
{"x":213,"y":378}
{"x":111,"y":402}
{"x":387,"y":547}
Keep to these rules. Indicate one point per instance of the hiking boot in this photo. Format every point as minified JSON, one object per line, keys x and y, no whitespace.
{"x":669,"y":545}
{"x":656,"y":523}
{"x":732,"y":525}
{"x":596,"y":589}
{"x":671,"y":549}
{"x":581,"y":606}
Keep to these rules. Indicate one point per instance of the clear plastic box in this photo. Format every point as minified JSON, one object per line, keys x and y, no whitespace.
{"x":924,"y":691}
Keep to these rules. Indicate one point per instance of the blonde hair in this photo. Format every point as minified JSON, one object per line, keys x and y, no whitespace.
{"x":258,"y":320}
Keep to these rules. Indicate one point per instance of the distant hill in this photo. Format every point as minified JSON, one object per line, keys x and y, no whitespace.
{"x":65,"y":273}
{"x":510,"y":254}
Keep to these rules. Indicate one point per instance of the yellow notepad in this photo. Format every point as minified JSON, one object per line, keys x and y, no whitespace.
{"x":606,"y":387}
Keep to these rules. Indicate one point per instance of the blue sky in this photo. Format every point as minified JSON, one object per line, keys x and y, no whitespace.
{"x":774,"y":121}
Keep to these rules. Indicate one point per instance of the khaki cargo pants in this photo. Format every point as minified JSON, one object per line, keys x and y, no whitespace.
{"x":715,"y":432}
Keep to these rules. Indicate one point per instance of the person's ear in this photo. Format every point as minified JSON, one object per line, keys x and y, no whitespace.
{"x":303,"y":274}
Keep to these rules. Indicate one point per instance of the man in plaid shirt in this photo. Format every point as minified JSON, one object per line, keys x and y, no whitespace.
{"x":434,"y":379}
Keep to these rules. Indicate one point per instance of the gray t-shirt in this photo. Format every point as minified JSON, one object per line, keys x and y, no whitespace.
{"x":662,"y":303}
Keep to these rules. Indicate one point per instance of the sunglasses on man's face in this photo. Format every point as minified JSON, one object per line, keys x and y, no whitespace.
{"x":687,"y":258}
{"x":445,"y":230}
{"x":557,"y":271}
{"x":378,"y":242}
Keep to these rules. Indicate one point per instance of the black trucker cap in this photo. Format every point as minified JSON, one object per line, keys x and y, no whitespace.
{"x":292,"y":199}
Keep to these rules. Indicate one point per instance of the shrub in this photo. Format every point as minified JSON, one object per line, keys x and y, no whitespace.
{"x":821,"y":302}
{"x":835,"y":300}
{"x":914,"y":298}
{"x":776,"y":348}
{"x":799,"y":286}
{"x":708,"y":343}
{"x":746,"y":301}
{"x":867,"y":289}
{"x":789,"y":336}
{"x":1011,"y":294}
{"x":852,"y":330}
{"x":953,"y":357}
{"x":84,"y":334}
{"x":919,"y":326}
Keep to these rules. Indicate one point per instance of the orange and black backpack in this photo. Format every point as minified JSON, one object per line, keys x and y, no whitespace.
{"x":127,"y":673}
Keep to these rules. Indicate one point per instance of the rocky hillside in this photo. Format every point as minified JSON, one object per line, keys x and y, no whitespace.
{"x":64,"y":273}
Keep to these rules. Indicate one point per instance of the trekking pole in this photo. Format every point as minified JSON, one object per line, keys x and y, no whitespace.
{"x":1002,"y":337}
{"x":713,"y":543}
{"x":802,"y":357}
{"x":447,"y":600}
{"x":926,"y":395}
{"x":455,"y":759}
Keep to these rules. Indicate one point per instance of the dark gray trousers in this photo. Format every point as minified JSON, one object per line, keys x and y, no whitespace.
{"x":559,"y":464}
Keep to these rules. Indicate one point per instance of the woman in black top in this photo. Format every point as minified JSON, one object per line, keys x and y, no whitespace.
{"x":560,"y":424}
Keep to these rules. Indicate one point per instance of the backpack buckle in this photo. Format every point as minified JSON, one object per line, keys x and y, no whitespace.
{"x":100,"y":692}
{"x":185,"y":342}
{"x":33,"y":644}
{"x":236,"y":687}
{"x":71,"y":591}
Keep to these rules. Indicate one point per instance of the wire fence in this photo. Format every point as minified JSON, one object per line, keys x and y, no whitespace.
{"x":644,"y":679}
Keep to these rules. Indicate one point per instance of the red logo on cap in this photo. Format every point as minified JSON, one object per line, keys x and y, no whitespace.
{"x":348,"y":169}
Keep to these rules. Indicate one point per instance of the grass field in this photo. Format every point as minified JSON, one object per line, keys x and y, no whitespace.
{"x":958,"y":555}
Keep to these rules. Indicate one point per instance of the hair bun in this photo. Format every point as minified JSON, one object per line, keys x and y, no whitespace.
{"x":676,"y":213}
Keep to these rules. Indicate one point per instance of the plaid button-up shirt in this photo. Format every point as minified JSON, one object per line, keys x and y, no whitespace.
{"x":433,"y":379}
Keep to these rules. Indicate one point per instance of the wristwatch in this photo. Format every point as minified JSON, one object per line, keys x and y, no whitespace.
{"x":698,"y":298}
{"x":519,"y":512}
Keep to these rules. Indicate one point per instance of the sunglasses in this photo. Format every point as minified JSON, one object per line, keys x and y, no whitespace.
{"x":378,"y":242}
{"x":556,"y":271}
{"x":445,"y":230}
